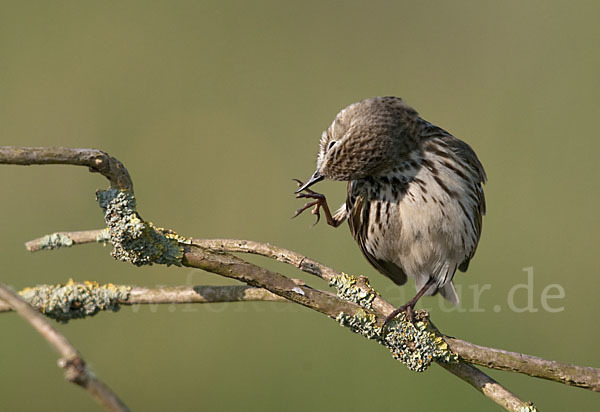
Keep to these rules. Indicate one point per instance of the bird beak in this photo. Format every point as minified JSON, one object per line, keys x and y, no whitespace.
{"x":316,"y":177}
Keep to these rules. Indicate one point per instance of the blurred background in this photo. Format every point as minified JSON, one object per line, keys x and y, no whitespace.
{"x":214,"y":107}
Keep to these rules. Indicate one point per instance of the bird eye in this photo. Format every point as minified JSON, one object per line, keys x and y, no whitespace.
{"x":330,"y":145}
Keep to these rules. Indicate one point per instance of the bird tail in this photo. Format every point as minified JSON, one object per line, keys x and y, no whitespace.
{"x":449,"y":293}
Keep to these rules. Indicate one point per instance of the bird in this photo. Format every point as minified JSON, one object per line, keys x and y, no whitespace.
{"x":415,"y":197}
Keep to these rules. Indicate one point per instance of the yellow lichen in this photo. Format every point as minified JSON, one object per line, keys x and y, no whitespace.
{"x":347,"y":289}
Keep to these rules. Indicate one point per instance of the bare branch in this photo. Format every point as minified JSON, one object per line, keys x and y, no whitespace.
{"x":233,"y":267}
{"x":96,"y":160}
{"x":271,"y":251}
{"x":295,"y":259}
{"x":200,"y":294}
{"x":76,"y":370}
{"x":579,"y":376}
{"x":488,"y":387}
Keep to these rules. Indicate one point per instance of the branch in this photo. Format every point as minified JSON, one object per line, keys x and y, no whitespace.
{"x":357,"y":305}
{"x":210,"y":294}
{"x":478,"y":379}
{"x":200,"y":294}
{"x":235,"y":268}
{"x":141,"y":243}
{"x":579,"y":376}
{"x":97,"y":161}
{"x":271,"y":251}
{"x":76,"y":370}
{"x":47,"y":298}
{"x":488,"y":387}
{"x":68,"y":239}
{"x":78,"y":300}
{"x":292,"y":258}
{"x":220,"y":246}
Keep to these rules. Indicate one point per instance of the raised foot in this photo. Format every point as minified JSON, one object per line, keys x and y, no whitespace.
{"x":317,"y":203}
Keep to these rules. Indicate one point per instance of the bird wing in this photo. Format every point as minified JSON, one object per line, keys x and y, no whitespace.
{"x":468,"y":158}
{"x":359,"y":210}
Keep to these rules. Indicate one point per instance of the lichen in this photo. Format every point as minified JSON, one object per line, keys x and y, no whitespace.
{"x":103,"y":236}
{"x":75,"y":300}
{"x":362,"y":323}
{"x":58,"y":240}
{"x":347,"y":289}
{"x":416,"y":344}
{"x":528,"y":408}
{"x":55,"y":241}
{"x":135,"y":240}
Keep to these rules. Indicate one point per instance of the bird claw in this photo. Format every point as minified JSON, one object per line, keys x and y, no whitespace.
{"x":407,"y":309}
{"x":310,"y":194}
{"x":315,"y":212}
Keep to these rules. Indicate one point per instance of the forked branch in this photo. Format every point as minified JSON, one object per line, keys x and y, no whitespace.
{"x":357,"y":305}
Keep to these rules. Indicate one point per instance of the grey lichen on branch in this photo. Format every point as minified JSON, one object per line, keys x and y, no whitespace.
{"x":416,"y":344}
{"x":74,"y":300}
{"x":67,"y":239}
{"x":135,"y":240}
{"x":55,"y":241}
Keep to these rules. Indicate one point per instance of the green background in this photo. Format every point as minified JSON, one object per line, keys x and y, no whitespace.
{"x":214,"y":107}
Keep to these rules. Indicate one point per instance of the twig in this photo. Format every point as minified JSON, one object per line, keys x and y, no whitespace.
{"x":488,"y":386}
{"x":290,"y":257}
{"x":169,"y":295}
{"x":68,"y":239}
{"x":97,"y":161}
{"x":233,"y":267}
{"x":200,"y":294}
{"x":579,"y":376}
{"x":75,"y":367}
{"x":231,"y":246}
{"x":271,"y":251}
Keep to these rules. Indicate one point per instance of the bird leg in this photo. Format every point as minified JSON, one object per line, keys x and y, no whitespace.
{"x":319,"y":202}
{"x":409,"y":306}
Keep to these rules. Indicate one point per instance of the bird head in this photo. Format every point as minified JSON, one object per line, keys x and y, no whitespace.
{"x":366,"y":139}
